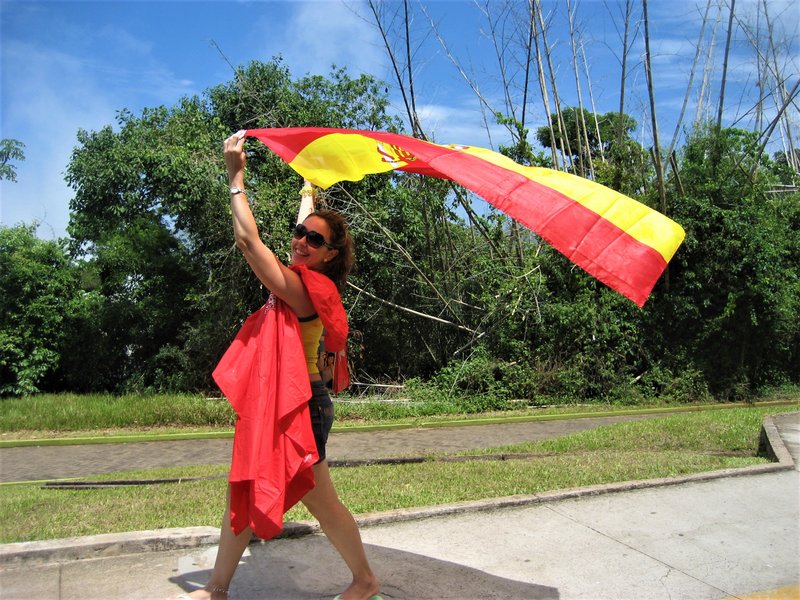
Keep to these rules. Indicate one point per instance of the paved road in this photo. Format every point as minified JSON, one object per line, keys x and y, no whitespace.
{"x":56,"y":462}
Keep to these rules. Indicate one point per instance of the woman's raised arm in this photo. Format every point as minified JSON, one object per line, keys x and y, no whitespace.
{"x":275,"y":276}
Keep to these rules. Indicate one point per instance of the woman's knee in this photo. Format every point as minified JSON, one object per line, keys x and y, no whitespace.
{"x":320,"y":503}
{"x":325,"y":505}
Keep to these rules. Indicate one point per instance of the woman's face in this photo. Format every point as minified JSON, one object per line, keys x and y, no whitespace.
{"x":304,"y":253}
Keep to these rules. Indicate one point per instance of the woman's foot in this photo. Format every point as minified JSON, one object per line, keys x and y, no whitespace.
{"x":204,"y":593}
{"x":361,"y":590}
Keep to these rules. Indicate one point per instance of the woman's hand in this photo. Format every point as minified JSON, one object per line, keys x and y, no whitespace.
{"x":235,"y":158}
{"x":279,"y":279}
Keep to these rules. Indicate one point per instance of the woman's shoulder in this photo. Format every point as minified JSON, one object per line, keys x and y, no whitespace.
{"x":328,"y":303}
{"x":314,"y":281}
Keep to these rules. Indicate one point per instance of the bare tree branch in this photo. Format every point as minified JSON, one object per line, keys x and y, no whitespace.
{"x":412,"y":311}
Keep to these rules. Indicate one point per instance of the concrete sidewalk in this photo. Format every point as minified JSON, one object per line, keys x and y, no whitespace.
{"x":727,"y":534}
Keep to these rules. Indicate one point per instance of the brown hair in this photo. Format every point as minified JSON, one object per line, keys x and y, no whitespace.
{"x":338,"y":268}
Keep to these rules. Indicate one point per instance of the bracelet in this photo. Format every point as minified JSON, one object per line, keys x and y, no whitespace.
{"x":215,"y":589}
{"x":235,"y":191}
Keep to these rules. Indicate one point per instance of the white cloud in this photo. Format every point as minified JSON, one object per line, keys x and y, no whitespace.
{"x":51,"y":88}
{"x":47,"y":97}
{"x":312,"y":36}
{"x":464,"y":124}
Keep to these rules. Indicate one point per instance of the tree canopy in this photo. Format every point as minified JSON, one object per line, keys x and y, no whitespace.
{"x":149,"y":290}
{"x":586,"y":134}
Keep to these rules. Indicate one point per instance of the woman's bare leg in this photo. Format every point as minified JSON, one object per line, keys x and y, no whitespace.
{"x":342,"y":530}
{"x":229,"y":553}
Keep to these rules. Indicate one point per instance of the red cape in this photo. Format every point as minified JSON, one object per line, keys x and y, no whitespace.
{"x":264,"y":376}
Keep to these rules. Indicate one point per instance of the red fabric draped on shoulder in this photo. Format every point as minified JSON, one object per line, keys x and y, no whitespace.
{"x":263,"y":375}
{"x":328,"y":305}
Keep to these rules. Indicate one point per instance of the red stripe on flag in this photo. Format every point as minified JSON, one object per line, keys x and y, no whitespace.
{"x":595,"y":244}
{"x":288,"y":142}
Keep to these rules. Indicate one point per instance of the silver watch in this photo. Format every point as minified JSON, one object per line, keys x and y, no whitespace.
{"x":236,"y":190}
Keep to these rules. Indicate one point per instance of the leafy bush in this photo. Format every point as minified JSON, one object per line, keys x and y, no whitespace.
{"x":688,"y":387}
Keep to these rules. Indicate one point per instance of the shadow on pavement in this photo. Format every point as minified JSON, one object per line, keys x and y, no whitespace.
{"x":309,"y":569}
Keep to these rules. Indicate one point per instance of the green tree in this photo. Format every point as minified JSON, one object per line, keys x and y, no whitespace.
{"x":10,"y":149}
{"x":38,"y":287}
{"x":137,"y":217}
{"x":601,"y":132}
{"x":150,"y":217}
{"x":732,"y":308}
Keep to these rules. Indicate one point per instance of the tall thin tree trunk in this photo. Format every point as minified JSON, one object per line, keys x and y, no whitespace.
{"x":515,"y":230}
{"x":543,"y":85}
{"x":716,"y":152}
{"x":762,"y":68}
{"x":528,"y":51}
{"x":723,"y":81}
{"x":398,"y":76}
{"x":678,"y":124}
{"x":565,"y":145}
{"x":622,"y":80}
{"x":662,"y":194}
{"x":591,"y":99}
{"x":701,"y":100}
{"x":416,"y":127}
{"x":580,"y":122}
{"x":624,"y":75}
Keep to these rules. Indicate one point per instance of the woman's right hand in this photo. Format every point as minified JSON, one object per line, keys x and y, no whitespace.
{"x":235,"y":158}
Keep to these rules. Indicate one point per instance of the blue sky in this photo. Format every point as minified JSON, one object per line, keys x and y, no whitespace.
{"x":70,"y":65}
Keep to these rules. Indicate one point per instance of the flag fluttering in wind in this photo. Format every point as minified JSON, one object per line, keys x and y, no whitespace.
{"x":614,"y":238}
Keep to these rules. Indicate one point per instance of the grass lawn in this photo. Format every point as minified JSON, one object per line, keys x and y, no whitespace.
{"x":668,"y":446}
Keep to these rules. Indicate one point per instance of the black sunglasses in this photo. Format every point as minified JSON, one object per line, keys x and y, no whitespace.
{"x":313,"y":238}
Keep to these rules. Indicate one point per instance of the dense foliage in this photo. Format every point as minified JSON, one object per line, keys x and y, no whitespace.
{"x":448,"y":295}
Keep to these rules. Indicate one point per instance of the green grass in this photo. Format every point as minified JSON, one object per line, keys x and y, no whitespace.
{"x":50,"y":414}
{"x":661,"y":447}
{"x":734,"y":430}
{"x":102,"y":416}
{"x":30,"y":512}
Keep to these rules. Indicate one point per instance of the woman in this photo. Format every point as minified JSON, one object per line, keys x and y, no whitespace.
{"x":320,"y":244}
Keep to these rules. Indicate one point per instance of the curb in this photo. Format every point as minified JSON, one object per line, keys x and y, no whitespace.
{"x":116,"y":544}
{"x":106,"y":545}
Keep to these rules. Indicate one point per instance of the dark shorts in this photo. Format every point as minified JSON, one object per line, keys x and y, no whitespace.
{"x":321,"y":408}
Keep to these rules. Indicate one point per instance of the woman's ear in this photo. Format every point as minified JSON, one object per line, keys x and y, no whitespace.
{"x":331,"y":254}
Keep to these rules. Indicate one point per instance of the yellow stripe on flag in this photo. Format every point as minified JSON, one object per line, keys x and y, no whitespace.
{"x":634,"y":218}
{"x":337,"y":157}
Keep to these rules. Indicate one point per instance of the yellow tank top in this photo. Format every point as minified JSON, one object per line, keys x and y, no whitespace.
{"x":310,"y":332}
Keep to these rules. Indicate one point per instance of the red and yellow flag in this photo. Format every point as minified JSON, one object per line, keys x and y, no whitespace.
{"x":614,"y":238}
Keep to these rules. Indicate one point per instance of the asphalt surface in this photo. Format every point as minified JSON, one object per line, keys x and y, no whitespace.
{"x":730,"y":534}
{"x":36,"y":463}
